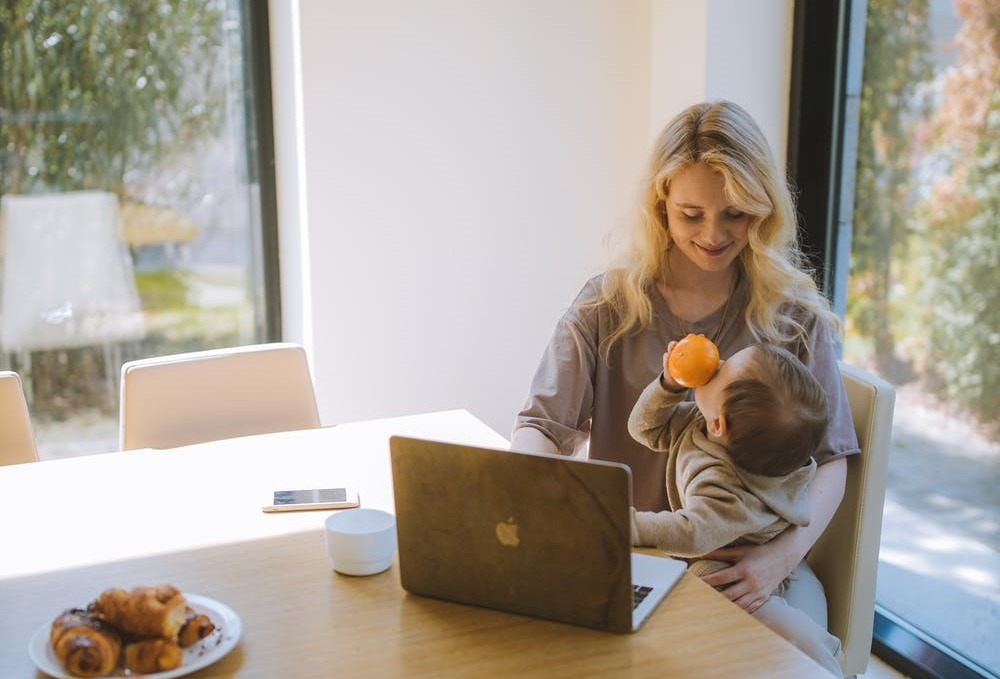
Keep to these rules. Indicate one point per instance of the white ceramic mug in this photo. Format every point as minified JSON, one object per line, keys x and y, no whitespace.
{"x":360,"y":541}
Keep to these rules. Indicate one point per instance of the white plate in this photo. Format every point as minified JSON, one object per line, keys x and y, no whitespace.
{"x":228,"y":628}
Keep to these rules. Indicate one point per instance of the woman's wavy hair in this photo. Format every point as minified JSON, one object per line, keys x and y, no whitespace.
{"x":725,"y":138}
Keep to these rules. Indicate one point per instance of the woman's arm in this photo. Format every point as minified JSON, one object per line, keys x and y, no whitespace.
{"x":556,"y":416}
{"x":758,"y":570}
{"x":531,"y":440}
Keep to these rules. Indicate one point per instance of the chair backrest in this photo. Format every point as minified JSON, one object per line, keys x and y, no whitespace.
{"x":17,"y":437}
{"x":845,"y":558}
{"x":177,"y":400}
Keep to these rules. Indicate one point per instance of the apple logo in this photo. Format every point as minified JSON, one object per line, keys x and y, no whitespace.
{"x":507,"y":533}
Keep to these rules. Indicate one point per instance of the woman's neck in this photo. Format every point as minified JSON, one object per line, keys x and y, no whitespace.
{"x":692,"y":292}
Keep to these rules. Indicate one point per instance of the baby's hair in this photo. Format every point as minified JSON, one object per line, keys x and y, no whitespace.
{"x":776,"y":414}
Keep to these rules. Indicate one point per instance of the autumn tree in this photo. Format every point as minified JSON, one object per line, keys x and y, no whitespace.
{"x":896,"y":67}
{"x":960,"y":293}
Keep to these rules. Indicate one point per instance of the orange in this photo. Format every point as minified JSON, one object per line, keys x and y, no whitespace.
{"x":693,"y":361}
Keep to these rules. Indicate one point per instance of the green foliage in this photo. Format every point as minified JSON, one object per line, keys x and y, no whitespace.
{"x":93,"y":93}
{"x":925,"y":281}
{"x":163,"y":289}
{"x":963,"y":287}
{"x":92,"y":89}
{"x":897,"y":64}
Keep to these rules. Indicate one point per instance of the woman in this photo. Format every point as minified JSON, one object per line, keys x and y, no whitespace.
{"x":714,"y":251}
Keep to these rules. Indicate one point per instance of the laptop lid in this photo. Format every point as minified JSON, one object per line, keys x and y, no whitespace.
{"x":539,"y":535}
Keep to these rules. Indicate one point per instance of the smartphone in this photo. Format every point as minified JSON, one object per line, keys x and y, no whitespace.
{"x":312,"y":498}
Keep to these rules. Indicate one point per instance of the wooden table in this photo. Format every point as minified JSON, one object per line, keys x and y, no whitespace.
{"x":191,"y":517}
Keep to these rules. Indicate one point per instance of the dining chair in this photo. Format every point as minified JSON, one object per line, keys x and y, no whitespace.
{"x":17,"y":437}
{"x":180,"y":399}
{"x":845,"y":558}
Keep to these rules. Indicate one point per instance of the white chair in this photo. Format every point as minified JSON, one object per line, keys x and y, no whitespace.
{"x":68,"y":280}
{"x":846,"y":556}
{"x":67,"y":277}
{"x":177,"y":400}
{"x":17,"y":437}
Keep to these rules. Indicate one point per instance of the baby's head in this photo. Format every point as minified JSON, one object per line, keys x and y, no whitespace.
{"x":766,"y":408}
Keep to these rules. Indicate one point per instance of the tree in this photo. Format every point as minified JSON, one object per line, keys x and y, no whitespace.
{"x":925,"y":279}
{"x":91,"y":89}
{"x":96,"y":94}
{"x":962,"y":292}
{"x":896,"y":66}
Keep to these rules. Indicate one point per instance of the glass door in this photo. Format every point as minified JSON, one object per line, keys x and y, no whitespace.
{"x":923,"y":310}
{"x":132,"y":223}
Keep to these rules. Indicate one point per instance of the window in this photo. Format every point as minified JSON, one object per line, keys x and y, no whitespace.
{"x":905,"y":223}
{"x":137,"y":199}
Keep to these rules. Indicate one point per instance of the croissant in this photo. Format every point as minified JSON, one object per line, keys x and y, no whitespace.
{"x":196,"y":627}
{"x":83,"y":644}
{"x":152,"y":655}
{"x":143,"y":612}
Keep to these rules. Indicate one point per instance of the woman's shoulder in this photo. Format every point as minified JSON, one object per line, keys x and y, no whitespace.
{"x":587,"y":301}
{"x":588,"y":295}
{"x":801,"y":314}
{"x":600,"y":301}
{"x":609,"y":285}
{"x":810,"y":326}
{"x":595,"y":283}
{"x":598,"y":290}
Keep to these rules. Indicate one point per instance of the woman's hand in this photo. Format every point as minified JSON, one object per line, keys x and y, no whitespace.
{"x":756,"y":571}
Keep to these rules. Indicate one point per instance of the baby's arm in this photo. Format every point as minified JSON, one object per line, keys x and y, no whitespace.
{"x":649,"y":421}
{"x":705,"y":524}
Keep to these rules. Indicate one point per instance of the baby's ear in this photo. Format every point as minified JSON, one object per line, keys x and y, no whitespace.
{"x":717,"y":427}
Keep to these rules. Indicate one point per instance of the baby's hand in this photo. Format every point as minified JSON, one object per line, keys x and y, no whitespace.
{"x":665,"y":379}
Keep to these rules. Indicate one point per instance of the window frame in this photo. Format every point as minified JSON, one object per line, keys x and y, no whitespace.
{"x":261,"y":149}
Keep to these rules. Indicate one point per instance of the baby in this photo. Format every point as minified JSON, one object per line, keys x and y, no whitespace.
{"x":740,"y":455}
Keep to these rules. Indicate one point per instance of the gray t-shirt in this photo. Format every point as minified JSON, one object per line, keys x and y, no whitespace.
{"x":578,"y":396}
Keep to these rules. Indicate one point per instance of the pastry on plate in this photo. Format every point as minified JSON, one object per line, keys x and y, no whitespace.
{"x":196,"y":627}
{"x":83,"y":644}
{"x":152,"y":655}
{"x":143,"y":612}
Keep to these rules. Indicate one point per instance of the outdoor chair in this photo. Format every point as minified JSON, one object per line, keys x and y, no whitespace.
{"x":68,"y":279}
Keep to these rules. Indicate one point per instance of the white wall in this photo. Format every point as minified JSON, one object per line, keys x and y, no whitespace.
{"x":290,"y":160}
{"x":462,"y":165}
{"x":723,"y":49}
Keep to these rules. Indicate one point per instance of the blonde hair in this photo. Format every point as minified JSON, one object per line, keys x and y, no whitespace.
{"x":725,"y":138}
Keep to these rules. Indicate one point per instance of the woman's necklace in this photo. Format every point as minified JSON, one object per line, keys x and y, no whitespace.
{"x":725,"y":313}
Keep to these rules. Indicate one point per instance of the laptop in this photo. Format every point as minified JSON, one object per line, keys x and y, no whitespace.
{"x":539,"y":535}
